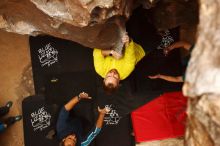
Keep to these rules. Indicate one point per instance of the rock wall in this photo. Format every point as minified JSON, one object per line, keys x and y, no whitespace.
{"x":203,"y":79}
{"x":170,"y":14}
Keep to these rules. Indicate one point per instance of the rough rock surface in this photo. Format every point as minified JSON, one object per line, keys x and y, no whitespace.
{"x":203,"y":80}
{"x":92,"y":23}
{"x":169,"y":14}
{"x":165,"y":142}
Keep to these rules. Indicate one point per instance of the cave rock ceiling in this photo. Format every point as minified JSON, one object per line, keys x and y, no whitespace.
{"x":92,"y":23}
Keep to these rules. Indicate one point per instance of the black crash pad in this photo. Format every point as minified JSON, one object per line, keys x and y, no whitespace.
{"x":116,"y":134}
{"x":38,"y":120}
{"x":51,"y":55}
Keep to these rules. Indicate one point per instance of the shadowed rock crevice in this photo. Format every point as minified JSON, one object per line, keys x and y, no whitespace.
{"x":203,"y":79}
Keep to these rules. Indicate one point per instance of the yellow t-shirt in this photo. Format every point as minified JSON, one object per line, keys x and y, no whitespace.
{"x":132,"y":55}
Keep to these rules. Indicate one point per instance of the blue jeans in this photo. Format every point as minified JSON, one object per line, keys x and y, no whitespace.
{"x":2,"y":127}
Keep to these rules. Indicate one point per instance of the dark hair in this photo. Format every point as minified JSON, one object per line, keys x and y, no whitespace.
{"x":110,"y":88}
{"x":61,"y":143}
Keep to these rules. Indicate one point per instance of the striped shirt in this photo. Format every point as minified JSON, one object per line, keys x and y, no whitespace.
{"x":67,"y":125}
{"x":92,"y":134}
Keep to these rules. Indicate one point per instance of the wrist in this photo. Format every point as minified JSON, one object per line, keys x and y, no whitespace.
{"x":101,"y":114}
{"x":159,"y":75}
{"x":78,"y":97}
{"x":105,"y":53}
{"x":170,"y":48}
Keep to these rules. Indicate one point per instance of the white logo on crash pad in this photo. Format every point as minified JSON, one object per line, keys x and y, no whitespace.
{"x":48,"y":55}
{"x":112,"y":117}
{"x":40,"y":119}
{"x":166,"y":41}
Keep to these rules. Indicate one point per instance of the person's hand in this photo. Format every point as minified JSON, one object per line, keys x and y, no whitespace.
{"x":154,"y":77}
{"x":116,"y":55}
{"x":179,"y":44}
{"x":103,"y":110}
{"x":106,"y":53}
{"x":84,"y":95}
{"x":125,"y":38}
{"x":167,"y":50}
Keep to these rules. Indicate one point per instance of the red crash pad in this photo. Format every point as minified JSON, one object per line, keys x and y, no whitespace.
{"x":161,"y":118}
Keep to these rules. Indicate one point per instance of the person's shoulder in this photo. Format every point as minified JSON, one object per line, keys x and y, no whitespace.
{"x":95,"y":50}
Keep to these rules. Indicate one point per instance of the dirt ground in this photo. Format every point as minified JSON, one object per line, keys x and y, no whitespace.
{"x":16,"y":82}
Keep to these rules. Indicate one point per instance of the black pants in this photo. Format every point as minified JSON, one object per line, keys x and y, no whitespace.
{"x":8,"y":121}
{"x":3,"y":111}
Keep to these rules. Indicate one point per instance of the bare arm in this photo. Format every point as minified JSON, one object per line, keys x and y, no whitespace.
{"x":112,"y":53}
{"x":172,"y":78}
{"x":106,"y":52}
{"x":75,"y":100}
{"x":116,"y":55}
{"x":180,"y":44}
{"x":100,"y":119}
{"x":95,"y":131}
{"x":71,"y":103}
{"x":167,"y":78}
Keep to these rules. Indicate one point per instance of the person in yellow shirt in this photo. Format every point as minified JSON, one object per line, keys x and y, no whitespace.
{"x":114,"y":67}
